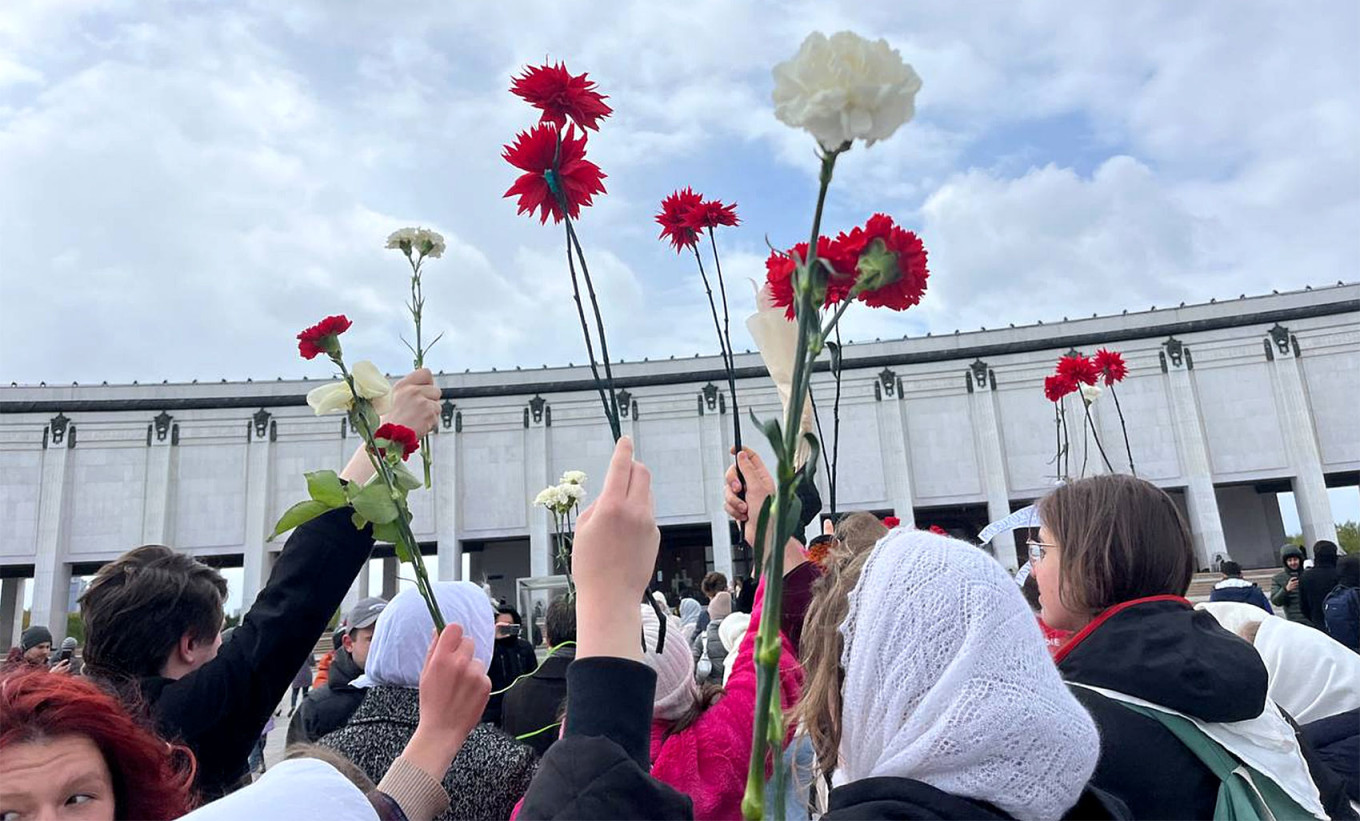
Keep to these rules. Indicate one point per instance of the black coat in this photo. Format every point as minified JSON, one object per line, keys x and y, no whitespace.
{"x":600,"y":767}
{"x":532,"y":704}
{"x":907,"y":798}
{"x":327,"y":708}
{"x":511,"y":658}
{"x":1165,"y":652}
{"x":219,"y":710}
{"x":1314,"y":585}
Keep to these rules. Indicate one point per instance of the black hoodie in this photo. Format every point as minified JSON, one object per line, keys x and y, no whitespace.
{"x":1162,"y":650}
{"x":1316,"y":582}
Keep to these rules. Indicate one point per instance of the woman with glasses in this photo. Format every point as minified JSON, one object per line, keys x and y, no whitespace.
{"x":1113,"y":560}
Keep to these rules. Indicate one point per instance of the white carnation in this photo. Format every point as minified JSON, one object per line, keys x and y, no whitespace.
{"x":1091,"y":393}
{"x":403,"y":239}
{"x":428,"y":243}
{"x":572,"y":493}
{"x":845,"y":88}
{"x":552,"y":498}
{"x":574,"y":477}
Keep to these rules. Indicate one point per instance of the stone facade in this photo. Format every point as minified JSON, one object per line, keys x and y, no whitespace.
{"x":1227,"y":404}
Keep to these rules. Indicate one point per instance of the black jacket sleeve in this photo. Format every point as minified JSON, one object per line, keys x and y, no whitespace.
{"x":219,"y":710}
{"x":599,"y":769}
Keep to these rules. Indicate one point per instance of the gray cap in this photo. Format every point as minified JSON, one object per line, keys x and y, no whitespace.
{"x":363,"y":614}
{"x":33,"y":636}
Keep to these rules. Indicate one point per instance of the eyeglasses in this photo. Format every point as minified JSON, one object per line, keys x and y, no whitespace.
{"x":1037,"y":550}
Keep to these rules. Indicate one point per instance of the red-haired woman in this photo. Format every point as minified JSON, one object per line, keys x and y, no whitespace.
{"x":70,"y":750}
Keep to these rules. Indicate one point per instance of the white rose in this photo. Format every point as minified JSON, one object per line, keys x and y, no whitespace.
{"x":400,"y":236}
{"x":845,"y":88}
{"x":1091,"y":393}
{"x":337,"y":397}
{"x":574,"y":477}
{"x":429,"y":243}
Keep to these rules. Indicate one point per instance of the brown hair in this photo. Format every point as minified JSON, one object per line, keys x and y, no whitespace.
{"x":713,"y":583}
{"x":709,"y":693}
{"x":818,"y":711}
{"x":1120,"y":539}
{"x":140,"y":604}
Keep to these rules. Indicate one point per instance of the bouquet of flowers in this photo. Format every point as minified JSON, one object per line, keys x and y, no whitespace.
{"x":1081,"y":375}
{"x":563,"y":501}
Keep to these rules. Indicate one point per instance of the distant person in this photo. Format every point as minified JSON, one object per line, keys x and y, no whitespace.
{"x":34,"y":648}
{"x":302,"y":684}
{"x":531,"y":708}
{"x":1235,"y":588}
{"x":710,"y":585}
{"x":689,"y":617}
{"x":513,"y":657}
{"x":1341,"y":608}
{"x":1317,"y":581}
{"x":1284,"y":586}
{"x":709,"y":652}
{"x":328,"y":707}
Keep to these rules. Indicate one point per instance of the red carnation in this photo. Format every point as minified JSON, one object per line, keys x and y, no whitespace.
{"x":321,"y":337}
{"x":938,"y":531}
{"x":711,"y":214}
{"x":890,"y":260}
{"x":533,"y":152}
{"x":779,"y":273}
{"x":1078,"y":369}
{"x":818,"y":553}
{"x":398,"y":435}
{"x":1057,"y":386}
{"x":1111,"y":366}
{"x":674,"y":219}
{"x":560,"y":96}
{"x":891,"y":521}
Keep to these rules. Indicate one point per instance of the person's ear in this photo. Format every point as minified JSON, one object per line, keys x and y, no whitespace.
{"x":347,"y":642}
{"x":188,"y":649}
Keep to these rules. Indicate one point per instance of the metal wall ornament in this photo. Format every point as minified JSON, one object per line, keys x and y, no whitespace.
{"x":625,"y":402}
{"x":446,"y":412}
{"x":711,"y":396}
{"x":58,"y":426}
{"x":262,"y":419}
{"x":1177,"y":352}
{"x":979,"y":369}
{"x":888,"y":380}
{"x":162,"y":425}
{"x":537,"y":406}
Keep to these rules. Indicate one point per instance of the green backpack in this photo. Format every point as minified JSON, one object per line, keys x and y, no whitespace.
{"x":1245,"y":794}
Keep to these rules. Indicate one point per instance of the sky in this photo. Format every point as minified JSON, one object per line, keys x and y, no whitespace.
{"x":185,"y":185}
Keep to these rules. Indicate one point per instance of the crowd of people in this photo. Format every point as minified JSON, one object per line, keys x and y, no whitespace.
{"x":917,"y":677}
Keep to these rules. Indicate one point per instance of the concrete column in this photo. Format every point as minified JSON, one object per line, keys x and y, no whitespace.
{"x":11,"y":611}
{"x":713,"y":444}
{"x":991,"y":461}
{"x":537,"y":475}
{"x":259,"y":490}
{"x":160,"y":466}
{"x":1300,"y":437}
{"x":446,"y":468}
{"x":390,"y":566}
{"x":51,"y":572}
{"x":892,"y":432}
{"x":1201,"y":503}
{"x":357,"y":590}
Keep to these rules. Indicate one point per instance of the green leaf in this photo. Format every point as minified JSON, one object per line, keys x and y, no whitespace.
{"x":762,"y":525}
{"x":773,"y":432}
{"x":406,"y":480}
{"x":358,"y":521}
{"x":809,"y":468}
{"x":388,"y":532}
{"x":324,"y":486}
{"x":374,"y":502}
{"x":299,"y":513}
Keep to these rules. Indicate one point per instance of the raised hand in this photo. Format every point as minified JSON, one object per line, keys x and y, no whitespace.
{"x":759,"y":486}
{"x":415,"y":404}
{"x":454,"y":689}
{"x":612,"y":559}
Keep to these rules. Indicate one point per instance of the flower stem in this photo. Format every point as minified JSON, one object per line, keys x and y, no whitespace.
{"x":783,"y":518}
{"x":1095,"y":434}
{"x":585,"y":332}
{"x":1067,"y":445}
{"x":1123,"y":427}
{"x":836,"y":425}
{"x":725,"y":338}
{"x":405,"y":537}
{"x":599,"y":325}
{"x":417,"y":310}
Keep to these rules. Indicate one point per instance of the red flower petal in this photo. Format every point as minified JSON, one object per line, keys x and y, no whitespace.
{"x":779,"y":274}
{"x":912,"y":272}
{"x":674,"y":219}
{"x":398,"y":435}
{"x":1057,"y":386}
{"x":319,"y":338}
{"x":1111,"y":366}
{"x":938,"y":531}
{"x":891,"y":521}
{"x":711,"y":214}
{"x":560,"y":96}
{"x":1078,"y":369}
{"x":532,"y":152}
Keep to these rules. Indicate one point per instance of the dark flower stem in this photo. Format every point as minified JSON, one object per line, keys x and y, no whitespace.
{"x":1057,"y":441}
{"x":585,"y":332}
{"x":1067,"y":446}
{"x":836,"y":425}
{"x":725,"y":339}
{"x":1125,"y":428}
{"x":1095,"y":434}
{"x":613,"y":411}
{"x":417,"y":310}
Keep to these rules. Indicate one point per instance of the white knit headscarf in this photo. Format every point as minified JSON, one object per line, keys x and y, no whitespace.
{"x":404,"y":630}
{"x":676,"y":689}
{"x":948,"y":681}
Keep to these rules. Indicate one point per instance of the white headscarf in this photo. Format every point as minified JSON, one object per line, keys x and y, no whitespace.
{"x":676,"y":689}
{"x":1312,"y":676}
{"x":948,"y":681}
{"x":689,"y":616}
{"x":404,"y":631}
{"x":296,"y":788}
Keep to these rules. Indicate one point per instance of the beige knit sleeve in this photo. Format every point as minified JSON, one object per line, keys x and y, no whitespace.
{"x":421,"y":797}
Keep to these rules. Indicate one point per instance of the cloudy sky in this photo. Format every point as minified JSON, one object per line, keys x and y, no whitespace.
{"x":185,"y":185}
